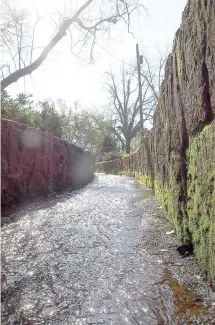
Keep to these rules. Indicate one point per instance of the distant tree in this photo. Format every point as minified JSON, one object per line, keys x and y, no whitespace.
{"x":108,"y":144}
{"x":83,"y":25}
{"x":5,"y":97}
{"x":50,"y":118}
{"x":9,"y":107}
{"x":24,"y":100}
{"x":85,"y":128}
{"x":18,"y":109}
{"x":124,"y":102}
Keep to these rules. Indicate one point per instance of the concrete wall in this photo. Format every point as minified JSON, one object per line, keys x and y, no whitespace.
{"x":36,"y":164}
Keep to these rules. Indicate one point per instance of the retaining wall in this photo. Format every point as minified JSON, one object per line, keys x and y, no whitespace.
{"x":178,"y":158}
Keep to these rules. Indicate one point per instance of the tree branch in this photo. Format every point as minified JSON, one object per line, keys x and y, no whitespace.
{"x":33,"y":66}
{"x":32,"y":43}
{"x":135,"y":130}
{"x":118,"y":135}
{"x":112,"y":20}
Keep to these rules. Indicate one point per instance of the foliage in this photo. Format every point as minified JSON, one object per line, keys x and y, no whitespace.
{"x":82,"y":127}
{"x":108,"y":144}
{"x":19,"y":109}
{"x":50,"y":119}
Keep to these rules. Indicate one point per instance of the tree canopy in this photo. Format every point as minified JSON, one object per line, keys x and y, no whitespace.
{"x":83,"y":127}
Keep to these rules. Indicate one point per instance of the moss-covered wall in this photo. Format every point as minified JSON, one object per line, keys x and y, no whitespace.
{"x":177,"y":159}
{"x":138,"y":164}
{"x":201,"y":196}
{"x":193,"y":216}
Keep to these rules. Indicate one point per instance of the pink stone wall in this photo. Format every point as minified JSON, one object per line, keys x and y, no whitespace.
{"x":37,"y":163}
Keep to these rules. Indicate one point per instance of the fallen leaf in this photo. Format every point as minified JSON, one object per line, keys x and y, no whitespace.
{"x":170,"y":232}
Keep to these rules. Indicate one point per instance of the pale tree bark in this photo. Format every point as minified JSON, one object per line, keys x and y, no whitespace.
{"x":116,"y":10}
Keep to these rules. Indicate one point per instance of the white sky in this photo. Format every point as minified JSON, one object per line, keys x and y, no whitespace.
{"x":64,"y":76}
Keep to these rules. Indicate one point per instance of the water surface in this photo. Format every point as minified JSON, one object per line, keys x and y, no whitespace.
{"x":78,"y":258}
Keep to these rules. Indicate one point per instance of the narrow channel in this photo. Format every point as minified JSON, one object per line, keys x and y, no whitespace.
{"x":78,"y":258}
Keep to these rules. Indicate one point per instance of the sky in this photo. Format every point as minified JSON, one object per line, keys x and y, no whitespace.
{"x":64,"y":75}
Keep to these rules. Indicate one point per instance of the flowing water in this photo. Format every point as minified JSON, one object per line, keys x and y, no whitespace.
{"x":78,"y":258}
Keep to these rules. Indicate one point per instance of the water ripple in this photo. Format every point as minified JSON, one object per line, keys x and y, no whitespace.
{"x":77,"y":259}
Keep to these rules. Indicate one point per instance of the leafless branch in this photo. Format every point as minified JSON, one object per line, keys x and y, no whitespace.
{"x":125,"y":102}
{"x":33,"y":36}
{"x":149,"y":74}
{"x":89,"y":24}
{"x":60,"y":34}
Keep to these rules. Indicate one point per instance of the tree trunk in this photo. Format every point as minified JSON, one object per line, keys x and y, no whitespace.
{"x":128,"y":146}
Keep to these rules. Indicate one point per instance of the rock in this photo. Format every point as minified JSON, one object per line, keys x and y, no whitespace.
{"x":185,"y":250}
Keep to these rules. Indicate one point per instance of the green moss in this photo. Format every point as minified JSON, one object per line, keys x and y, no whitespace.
{"x":146,"y":179}
{"x":105,"y":167}
{"x":126,"y":172}
{"x":168,"y":194}
{"x":201,"y":197}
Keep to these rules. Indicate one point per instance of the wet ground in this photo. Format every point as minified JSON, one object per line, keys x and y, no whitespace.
{"x":84,"y":257}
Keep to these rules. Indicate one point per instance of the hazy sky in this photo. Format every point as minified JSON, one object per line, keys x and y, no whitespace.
{"x":65,"y":76}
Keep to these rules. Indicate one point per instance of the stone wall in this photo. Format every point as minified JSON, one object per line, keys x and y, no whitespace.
{"x":178,"y":158}
{"x":37,"y":164}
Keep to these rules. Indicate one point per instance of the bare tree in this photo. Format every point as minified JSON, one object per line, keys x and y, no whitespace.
{"x":91,"y":18}
{"x":125,"y":105}
{"x":153,"y":74}
{"x":17,"y":38}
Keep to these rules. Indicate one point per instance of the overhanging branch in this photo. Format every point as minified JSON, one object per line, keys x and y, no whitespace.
{"x":13,"y":77}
